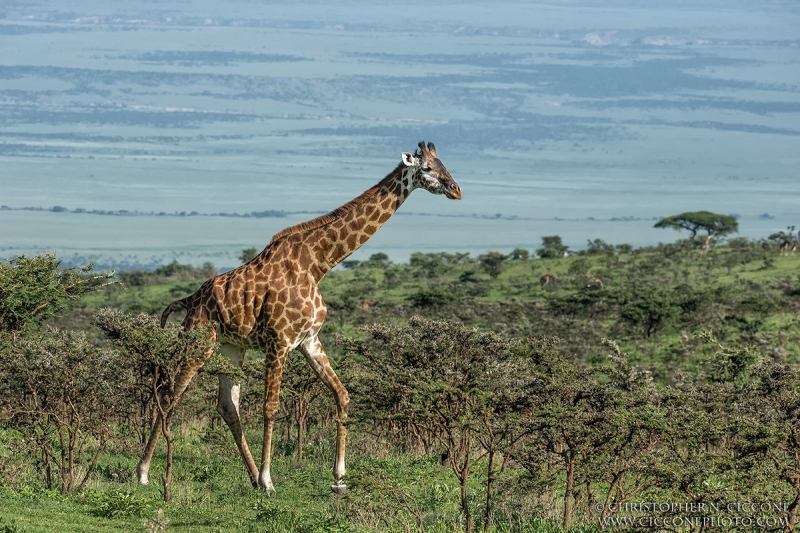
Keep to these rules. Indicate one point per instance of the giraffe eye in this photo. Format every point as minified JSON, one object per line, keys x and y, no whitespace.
{"x":426,"y":169}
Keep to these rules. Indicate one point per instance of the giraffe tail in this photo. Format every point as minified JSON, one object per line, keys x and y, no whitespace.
{"x":170,"y":308}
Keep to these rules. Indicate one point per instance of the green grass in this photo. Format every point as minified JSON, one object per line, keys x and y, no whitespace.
{"x":211,"y":493}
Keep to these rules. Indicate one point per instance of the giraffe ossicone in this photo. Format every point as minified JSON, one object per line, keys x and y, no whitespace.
{"x":272,"y":303}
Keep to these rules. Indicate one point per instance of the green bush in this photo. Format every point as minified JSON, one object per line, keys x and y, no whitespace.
{"x":118,"y":504}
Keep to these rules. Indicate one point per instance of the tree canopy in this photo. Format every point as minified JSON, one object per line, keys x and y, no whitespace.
{"x":35,"y":288}
{"x":713,"y":224}
{"x":248,"y":254}
{"x":552,"y":247}
{"x":784,"y":236}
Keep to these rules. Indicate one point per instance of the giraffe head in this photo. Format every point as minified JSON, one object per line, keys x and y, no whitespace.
{"x":429,"y":173}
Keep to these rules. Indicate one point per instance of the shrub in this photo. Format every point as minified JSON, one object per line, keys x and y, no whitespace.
{"x":63,"y":395}
{"x":492,"y":263}
{"x":448,"y":383}
{"x":156,"y":356}
{"x":118,"y":504}
{"x":599,"y":247}
{"x":430,"y":298}
{"x":33,"y":289}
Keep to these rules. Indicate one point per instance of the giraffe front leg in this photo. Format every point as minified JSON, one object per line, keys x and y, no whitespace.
{"x":272,"y":386}
{"x":185,"y":375}
{"x":315,"y":355}
{"x":181,"y":382}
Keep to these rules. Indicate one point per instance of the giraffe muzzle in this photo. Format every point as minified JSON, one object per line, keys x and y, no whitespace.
{"x":453,"y":194}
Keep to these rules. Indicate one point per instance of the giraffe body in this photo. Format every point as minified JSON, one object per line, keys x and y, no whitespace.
{"x":273,"y":303}
{"x":547,"y":280}
{"x":786,"y":246}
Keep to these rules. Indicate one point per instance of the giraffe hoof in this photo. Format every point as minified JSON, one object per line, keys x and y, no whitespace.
{"x":339,"y":488}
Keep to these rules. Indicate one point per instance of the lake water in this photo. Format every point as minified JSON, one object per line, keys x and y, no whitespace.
{"x":582,"y":119}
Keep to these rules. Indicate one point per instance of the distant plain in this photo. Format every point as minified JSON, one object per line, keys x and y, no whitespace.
{"x":582,"y":119}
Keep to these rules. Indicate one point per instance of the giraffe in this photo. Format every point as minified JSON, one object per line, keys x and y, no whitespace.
{"x":547,"y":280}
{"x":273,"y":303}
{"x":788,"y":242}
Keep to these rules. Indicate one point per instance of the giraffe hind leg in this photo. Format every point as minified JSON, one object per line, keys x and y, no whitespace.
{"x":143,"y":468}
{"x":316,"y":357}
{"x":228,"y":408}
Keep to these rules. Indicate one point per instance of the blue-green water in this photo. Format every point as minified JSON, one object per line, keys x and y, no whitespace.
{"x":555,"y":118}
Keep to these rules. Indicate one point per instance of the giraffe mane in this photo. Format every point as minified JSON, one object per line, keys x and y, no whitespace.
{"x":339,"y":211}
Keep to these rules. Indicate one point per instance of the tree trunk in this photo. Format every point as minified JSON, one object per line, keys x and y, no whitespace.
{"x":489,"y":479}
{"x":791,"y":515}
{"x":568,"y":491}
{"x":464,"y":477}
{"x":48,"y":471}
{"x":167,"y":477}
{"x":72,"y":439}
{"x":143,"y":429}
{"x":62,"y":466}
{"x":92,"y":465}
{"x":460,"y":462}
{"x":302,"y":423}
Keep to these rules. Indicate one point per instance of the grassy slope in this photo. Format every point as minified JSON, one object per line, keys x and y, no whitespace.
{"x":518,"y":283}
{"x":211,"y":493}
{"x":211,"y":490}
{"x":520,"y":280}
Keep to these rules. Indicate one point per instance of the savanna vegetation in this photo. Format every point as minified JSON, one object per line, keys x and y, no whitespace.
{"x":536,"y":391}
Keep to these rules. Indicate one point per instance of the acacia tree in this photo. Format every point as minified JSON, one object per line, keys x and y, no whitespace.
{"x":64,"y":396}
{"x":590,"y":432}
{"x":623,"y":467}
{"x":60,"y":392}
{"x":552,"y":247}
{"x":702,"y":428}
{"x":492,"y":263}
{"x":33,"y":289}
{"x":648,"y":309}
{"x":157,"y":355}
{"x":247,"y":254}
{"x":461,"y":385}
{"x":785,"y":240}
{"x":567,"y":426}
{"x":771,"y":426}
{"x":713,"y":224}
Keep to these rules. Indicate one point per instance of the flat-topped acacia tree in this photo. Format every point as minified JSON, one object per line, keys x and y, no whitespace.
{"x":713,"y":224}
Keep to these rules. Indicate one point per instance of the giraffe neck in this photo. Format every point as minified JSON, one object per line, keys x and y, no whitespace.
{"x":330,"y":239}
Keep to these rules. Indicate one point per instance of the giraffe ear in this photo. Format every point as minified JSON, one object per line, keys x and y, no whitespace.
{"x":409,"y":160}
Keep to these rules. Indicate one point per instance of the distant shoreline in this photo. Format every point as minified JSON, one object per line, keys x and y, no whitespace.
{"x":284,"y":214}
